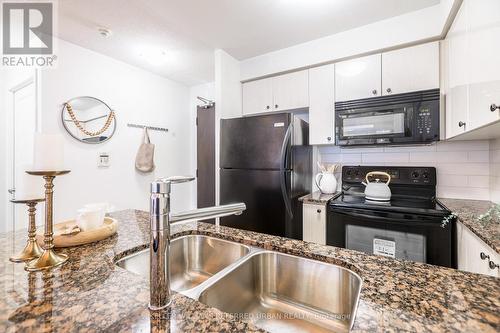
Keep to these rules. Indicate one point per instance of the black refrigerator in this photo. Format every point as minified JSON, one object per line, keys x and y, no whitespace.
{"x":266,"y":162}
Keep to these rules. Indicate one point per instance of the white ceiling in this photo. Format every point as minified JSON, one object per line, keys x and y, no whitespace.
{"x":189,"y":30}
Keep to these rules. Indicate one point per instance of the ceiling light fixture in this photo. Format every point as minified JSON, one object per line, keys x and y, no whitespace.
{"x":104,"y":32}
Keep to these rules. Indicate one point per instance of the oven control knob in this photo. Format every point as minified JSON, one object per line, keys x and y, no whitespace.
{"x":349,"y":172}
{"x":415,"y":174}
{"x":425,"y":175}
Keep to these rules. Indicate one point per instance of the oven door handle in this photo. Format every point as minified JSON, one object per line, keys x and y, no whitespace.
{"x":355,"y":213}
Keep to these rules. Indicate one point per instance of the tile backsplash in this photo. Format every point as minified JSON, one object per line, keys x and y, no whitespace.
{"x":495,"y":170}
{"x":463,"y":167}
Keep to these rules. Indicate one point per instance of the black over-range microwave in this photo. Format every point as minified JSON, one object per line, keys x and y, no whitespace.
{"x":409,"y":118}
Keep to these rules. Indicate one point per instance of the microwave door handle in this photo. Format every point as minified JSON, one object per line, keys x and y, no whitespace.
{"x":353,"y":213}
{"x":283,"y":171}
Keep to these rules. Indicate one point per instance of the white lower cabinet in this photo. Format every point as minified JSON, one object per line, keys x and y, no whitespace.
{"x":474,"y":255}
{"x":314,"y":223}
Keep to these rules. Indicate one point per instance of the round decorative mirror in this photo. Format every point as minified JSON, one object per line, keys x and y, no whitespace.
{"x":88,"y":119}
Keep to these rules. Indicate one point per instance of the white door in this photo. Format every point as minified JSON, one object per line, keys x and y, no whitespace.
{"x":358,"y":78}
{"x":257,"y":96}
{"x":322,"y":105}
{"x":291,"y":91}
{"x":23,"y":124}
{"x":410,"y":69}
{"x":483,"y":33}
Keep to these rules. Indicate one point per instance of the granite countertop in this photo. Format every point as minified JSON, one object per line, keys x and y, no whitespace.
{"x":317,"y":198}
{"x":90,"y":293}
{"x":468,"y":212}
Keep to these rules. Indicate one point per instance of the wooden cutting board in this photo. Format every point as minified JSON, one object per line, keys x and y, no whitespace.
{"x":108,"y":228}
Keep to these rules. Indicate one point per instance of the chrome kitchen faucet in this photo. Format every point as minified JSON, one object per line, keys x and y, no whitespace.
{"x":159,"y":242}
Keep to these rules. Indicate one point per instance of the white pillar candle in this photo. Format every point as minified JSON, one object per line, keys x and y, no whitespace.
{"x":48,"y":152}
{"x":28,"y":186}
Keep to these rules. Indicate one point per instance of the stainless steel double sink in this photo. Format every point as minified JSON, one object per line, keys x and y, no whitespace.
{"x":275,"y":291}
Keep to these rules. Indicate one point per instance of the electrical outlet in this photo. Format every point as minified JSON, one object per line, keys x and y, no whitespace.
{"x":103,"y":161}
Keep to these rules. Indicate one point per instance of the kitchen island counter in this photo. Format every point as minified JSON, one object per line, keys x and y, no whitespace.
{"x":90,"y":293}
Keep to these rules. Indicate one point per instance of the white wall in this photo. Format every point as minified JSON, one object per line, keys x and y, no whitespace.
{"x":227,"y":99}
{"x":463,"y":167}
{"x":495,"y":170}
{"x":417,"y":26}
{"x":227,"y":85}
{"x":137,"y":96}
{"x":206,"y":90}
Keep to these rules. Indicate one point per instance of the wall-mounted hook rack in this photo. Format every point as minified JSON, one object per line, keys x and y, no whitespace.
{"x":153,"y":128}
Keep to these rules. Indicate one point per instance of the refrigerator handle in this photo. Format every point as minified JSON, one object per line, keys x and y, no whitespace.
{"x":283,"y":170}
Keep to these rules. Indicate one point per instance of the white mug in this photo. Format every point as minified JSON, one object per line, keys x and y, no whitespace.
{"x":103,"y":206}
{"x":89,"y":218}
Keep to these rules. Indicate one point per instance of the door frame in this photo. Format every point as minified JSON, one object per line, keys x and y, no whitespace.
{"x":32,"y":79}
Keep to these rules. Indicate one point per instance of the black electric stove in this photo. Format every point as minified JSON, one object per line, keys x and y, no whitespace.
{"x":398,"y":202}
{"x":413,"y":225}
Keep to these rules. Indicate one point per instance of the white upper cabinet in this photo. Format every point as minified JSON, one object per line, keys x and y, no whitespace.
{"x":483,"y":35}
{"x":481,"y":98}
{"x":291,"y":91}
{"x":454,"y":63}
{"x":322,"y":105}
{"x":471,"y":66}
{"x":257,"y":96}
{"x":410,"y":69}
{"x":358,"y":78}
{"x":279,"y":93}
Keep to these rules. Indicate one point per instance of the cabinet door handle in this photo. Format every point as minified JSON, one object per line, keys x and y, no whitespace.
{"x":318,"y":211}
{"x":484,"y":256}
{"x":461,"y":124}
{"x":389,"y":90}
{"x":374,"y":91}
{"x":268,"y":107}
{"x":276,"y":106}
{"x":329,"y":138}
{"x":493,"y":265}
{"x":494,"y":107}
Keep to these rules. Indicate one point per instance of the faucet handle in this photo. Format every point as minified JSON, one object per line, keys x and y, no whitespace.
{"x":179,"y":179}
{"x":162,"y":185}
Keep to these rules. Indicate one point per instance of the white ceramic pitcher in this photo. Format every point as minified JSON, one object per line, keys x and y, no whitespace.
{"x":326,"y":182}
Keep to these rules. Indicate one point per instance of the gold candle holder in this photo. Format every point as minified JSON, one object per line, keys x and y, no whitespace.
{"x":49,"y":258}
{"x":32,"y":250}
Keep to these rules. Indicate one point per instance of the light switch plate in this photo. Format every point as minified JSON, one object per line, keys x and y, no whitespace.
{"x":103,"y":161}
